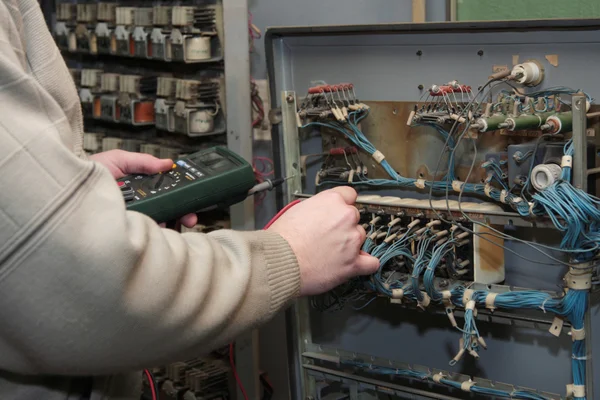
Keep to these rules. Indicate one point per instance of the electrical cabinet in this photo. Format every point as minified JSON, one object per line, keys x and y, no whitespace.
{"x":474,"y":150}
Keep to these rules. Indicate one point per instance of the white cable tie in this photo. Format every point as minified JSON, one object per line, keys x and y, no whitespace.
{"x":579,"y":281}
{"x":457,"y":186}
{"x":470,"y":305}
{"x":490,"y":301}
{"x":437,"y":378}
{"x":467,"y":385}
{"x":488,"y":189}
{"x":566,"y":161}
{"x":420,"y":183}
{"x":580,"y":358}
{"x":517,"y":200}
{"x":351,"y":176}
{"x":378,"y":156}
{"x":579,"y":390}
{"x":503,"y":194}
{"x":543,"y":304}
{"x":397,"y":294}
{"x":575,"y":390}
{"x":467,"y":296}
{"x":577,"y":334}
{"x":426,"y":300}
{"x":570,"y":390}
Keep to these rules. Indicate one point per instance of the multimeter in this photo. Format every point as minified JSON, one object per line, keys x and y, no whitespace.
{"x":214,"y":177}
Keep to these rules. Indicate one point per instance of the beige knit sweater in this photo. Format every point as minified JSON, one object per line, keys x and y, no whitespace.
{"x":87,"y":288}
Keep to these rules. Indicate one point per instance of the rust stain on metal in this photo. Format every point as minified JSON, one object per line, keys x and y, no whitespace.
{"x":414,"y":152}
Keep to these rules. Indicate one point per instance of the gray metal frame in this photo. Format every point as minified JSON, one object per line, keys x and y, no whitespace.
{"x":239,"y":140}
{"x":580,"y":180}
{"x":286,"y":145}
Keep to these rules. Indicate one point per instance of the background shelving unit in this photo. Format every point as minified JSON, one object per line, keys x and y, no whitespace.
{"x":189,"y":55}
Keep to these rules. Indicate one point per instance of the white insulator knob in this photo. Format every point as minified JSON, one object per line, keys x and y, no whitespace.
{"x":544,"y":175}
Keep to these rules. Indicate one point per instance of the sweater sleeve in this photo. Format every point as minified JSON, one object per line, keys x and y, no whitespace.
{"x":87,"y":287}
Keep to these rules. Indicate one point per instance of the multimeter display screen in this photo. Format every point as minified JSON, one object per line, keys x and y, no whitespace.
{"x":214,"y":161}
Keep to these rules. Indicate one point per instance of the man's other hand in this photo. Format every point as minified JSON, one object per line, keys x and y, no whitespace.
{"x":121,"y":163}
{"x":324,"y":234}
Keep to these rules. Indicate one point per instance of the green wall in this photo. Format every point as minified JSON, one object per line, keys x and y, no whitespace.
{"x":480,"y":10}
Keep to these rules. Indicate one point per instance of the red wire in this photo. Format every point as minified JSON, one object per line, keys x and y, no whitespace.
{"x":151,"y":383}
{"x":280,"y":213}
{"x":231,"y":359}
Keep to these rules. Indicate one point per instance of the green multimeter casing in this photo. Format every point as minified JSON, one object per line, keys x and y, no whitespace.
{"x":211,"y":177}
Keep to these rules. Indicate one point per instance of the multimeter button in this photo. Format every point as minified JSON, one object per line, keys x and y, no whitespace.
{"x":121,"y":184}
{"x":174,"y":166}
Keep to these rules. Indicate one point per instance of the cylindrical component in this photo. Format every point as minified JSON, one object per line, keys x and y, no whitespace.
{"x":491,"y":123}
{"x":197,"y":48}
{"x":560,"y":123}
{"x":529,"y":73}
{"x":524,"y":122}
{"x":201,"y":121}
{"x":544,"y":175}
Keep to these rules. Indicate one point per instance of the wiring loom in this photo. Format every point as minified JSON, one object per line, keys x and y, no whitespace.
{"x":572,"y":211}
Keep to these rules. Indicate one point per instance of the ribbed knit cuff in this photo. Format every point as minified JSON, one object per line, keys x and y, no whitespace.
{"x":283,"y":272}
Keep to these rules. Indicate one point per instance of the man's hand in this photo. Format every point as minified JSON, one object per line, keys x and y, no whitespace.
{"x":121,"y":163}
{"x":324,"y":234}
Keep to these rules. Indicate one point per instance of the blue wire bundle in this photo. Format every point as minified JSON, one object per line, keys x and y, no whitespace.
{"x":409,"y":373}
{"x":572,"y":211}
